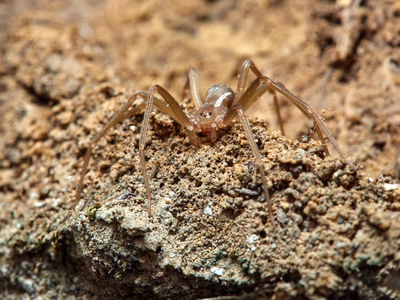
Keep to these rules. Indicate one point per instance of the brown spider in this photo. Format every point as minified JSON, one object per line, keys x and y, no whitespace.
{"x":220,"y":107}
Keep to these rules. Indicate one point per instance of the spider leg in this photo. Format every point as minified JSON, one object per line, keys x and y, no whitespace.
{"x":258,"y":160}
{"x":176,"y":111}
{"x":263,"y":84}
{"x":242,"y":80}
{"x":192,"y":83}
{"x":165,"y":108}
{"x":251,"y":95}
{"x":309,"y":111}
{"x":117,"y":117}
{"x":172,"y":109}
{"x":186,"y":89}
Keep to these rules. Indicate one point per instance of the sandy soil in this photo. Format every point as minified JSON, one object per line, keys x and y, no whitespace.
{"x":67,"y":66}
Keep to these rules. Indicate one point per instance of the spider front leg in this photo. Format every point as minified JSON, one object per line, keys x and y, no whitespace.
{"x":172,"y":109}
{"x":192,"y":84}
{"x":176,"y":112}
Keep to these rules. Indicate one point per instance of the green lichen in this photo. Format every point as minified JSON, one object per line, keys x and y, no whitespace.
{"x":91,"y":212}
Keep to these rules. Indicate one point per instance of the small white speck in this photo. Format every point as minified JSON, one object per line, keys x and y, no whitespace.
{"x":69,"y":177}
{"x":84,"y":31}
{"x":217,"y":271}
{"x":301,"y":152}
{"x":207,"y":210}
{"x":172,"y":195}
{"x":133,"y":128}
{"x":340,"y":244}
{"x":252,"y":239}
{"x":38,"y":204}
{"x":33,"y":195}
{"x":253,"y":248}
{"x":370,"y":179}
{"x":172,"y":255}
{"x":390,"y":186}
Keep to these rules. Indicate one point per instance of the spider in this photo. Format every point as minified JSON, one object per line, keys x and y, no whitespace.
{"x":220,"y":107}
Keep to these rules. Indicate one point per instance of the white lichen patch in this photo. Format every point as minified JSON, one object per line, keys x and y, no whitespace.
{"x":391,"y":186}
{"x":217,"y":271}
{"x":252,"y":239}
{"x":207,"y":210}
{"x":56,"y":201}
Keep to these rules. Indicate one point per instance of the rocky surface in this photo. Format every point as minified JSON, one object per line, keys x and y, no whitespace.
{"x":65,"y":69}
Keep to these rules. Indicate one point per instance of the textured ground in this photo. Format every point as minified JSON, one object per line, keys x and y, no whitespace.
{"x":66,"y":67}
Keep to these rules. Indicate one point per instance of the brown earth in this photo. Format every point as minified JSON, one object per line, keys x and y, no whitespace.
{"x":67,"y":66}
